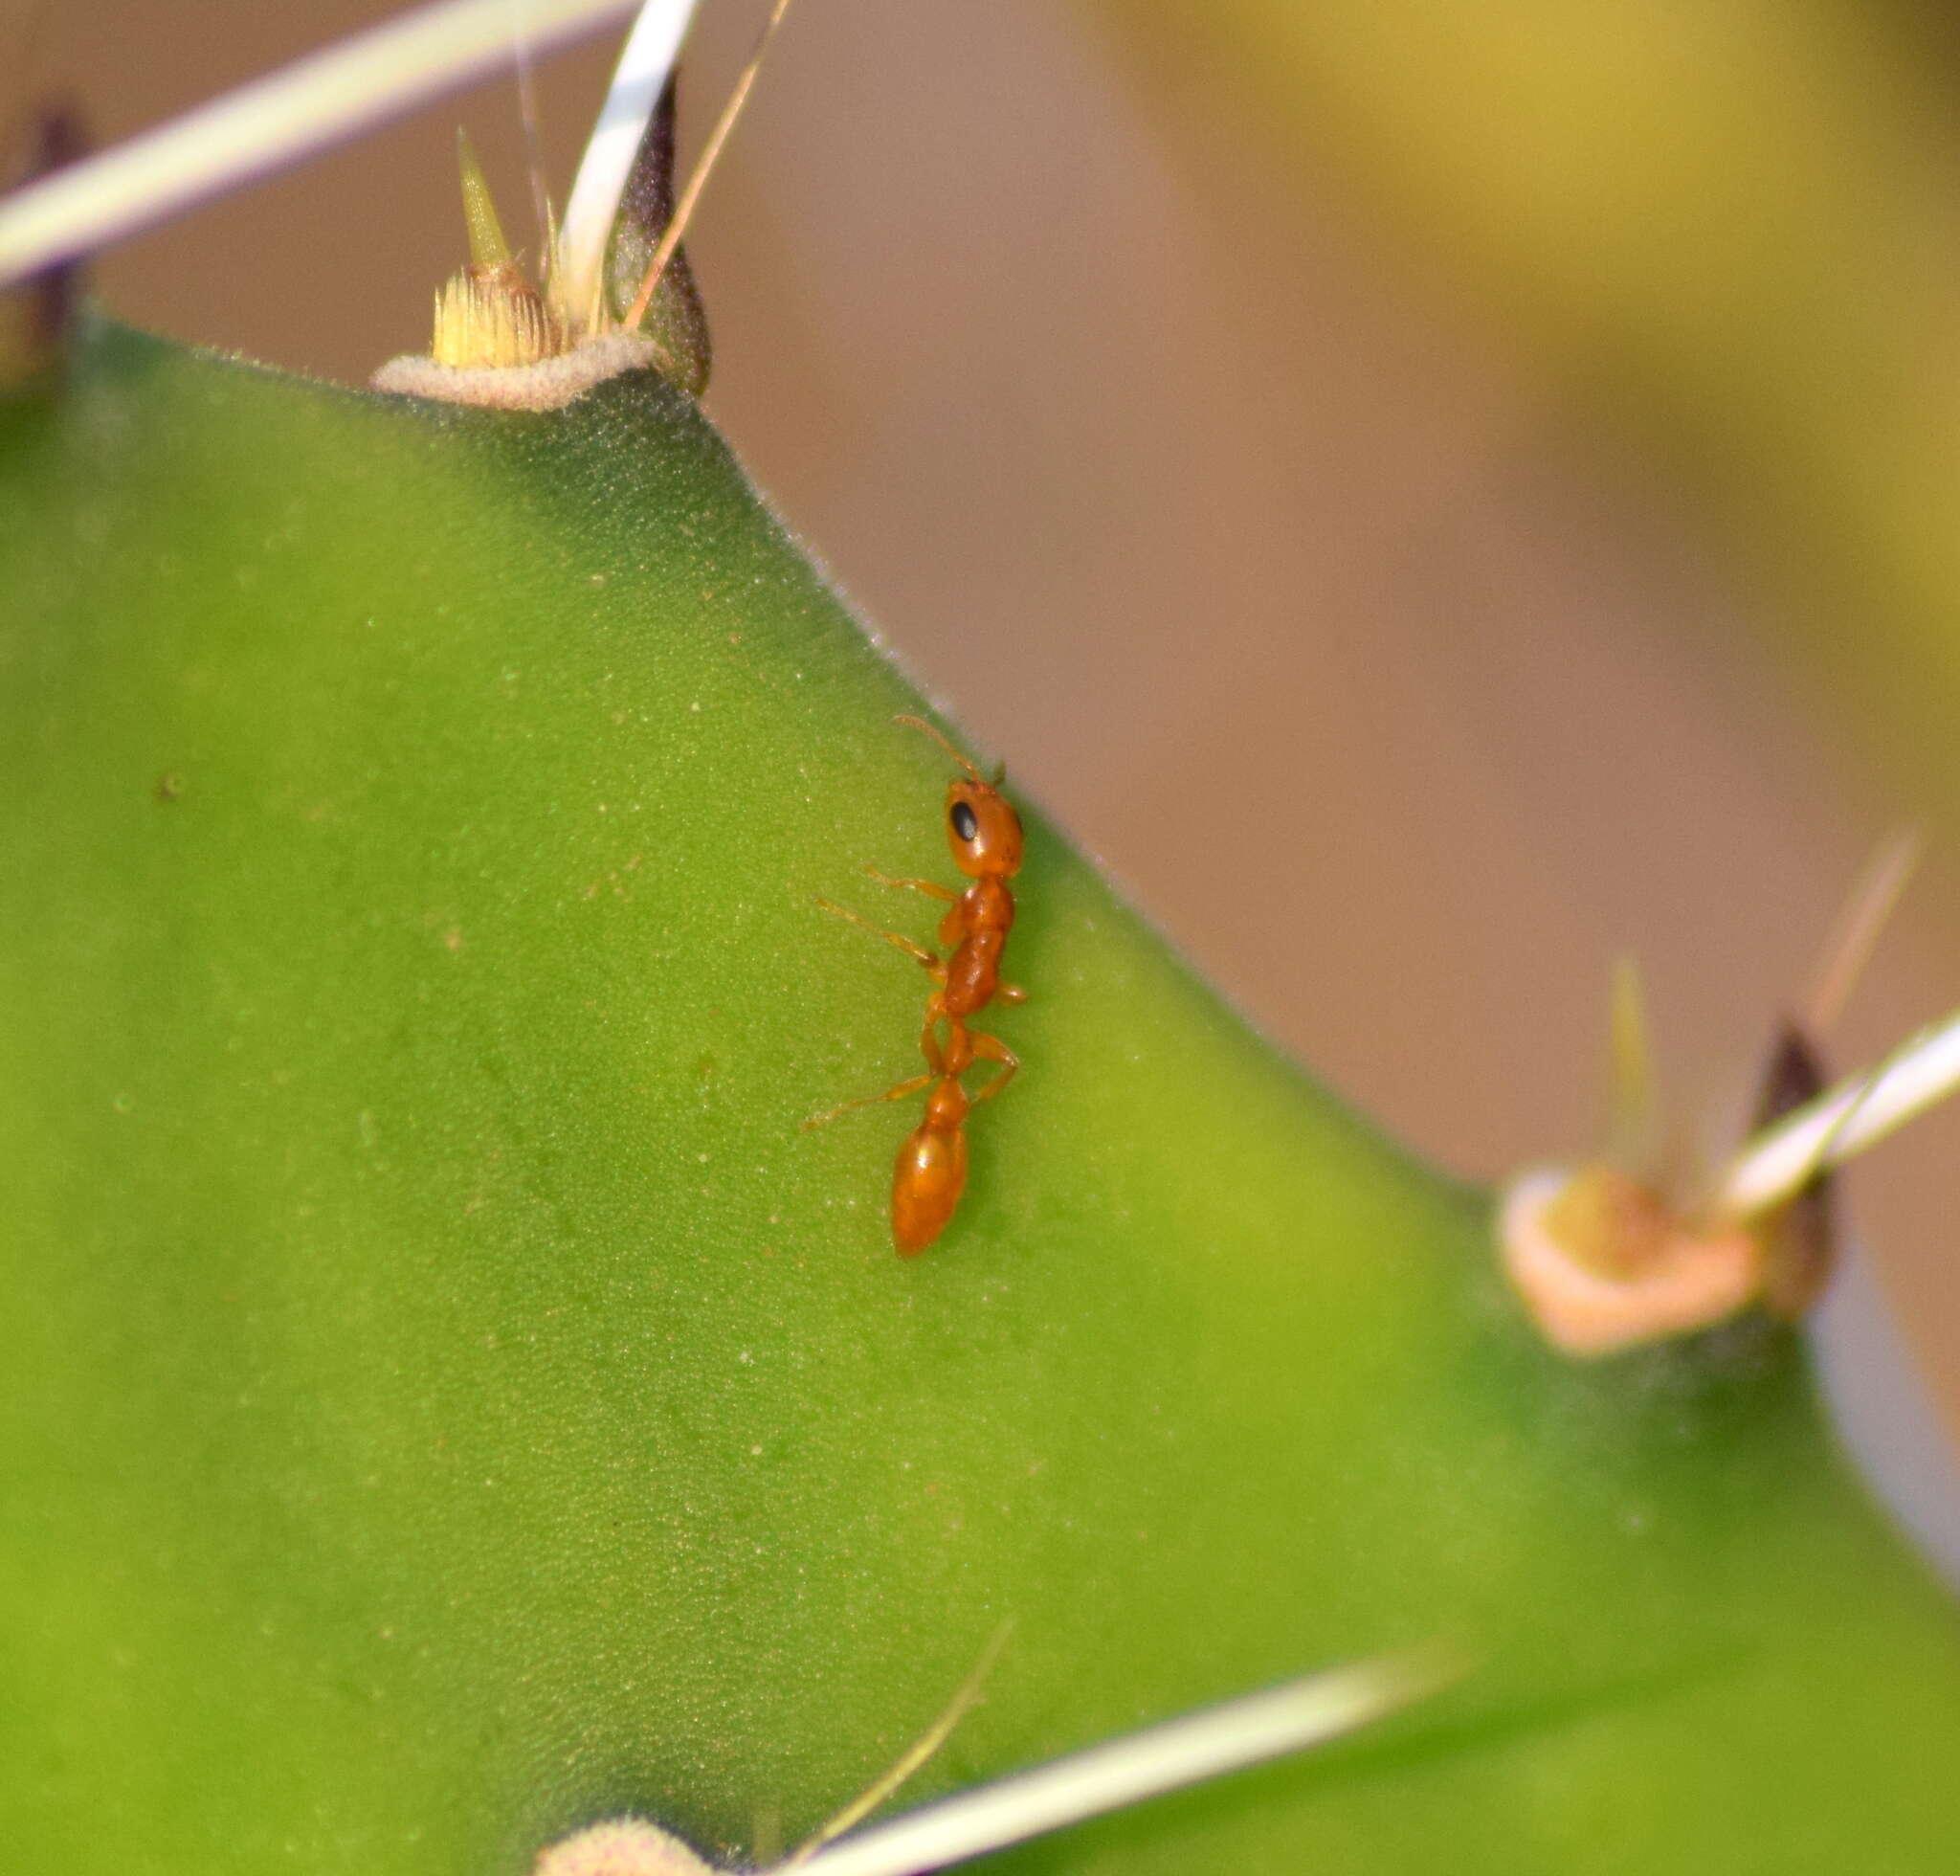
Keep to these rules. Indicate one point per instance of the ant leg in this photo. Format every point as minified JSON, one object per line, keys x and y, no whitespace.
{"x":991,"y":1048}
{"x":929,"y":959}
{"x":898,"y":1093}
{"x":957,"y":1056}
{"x":932,"y":888}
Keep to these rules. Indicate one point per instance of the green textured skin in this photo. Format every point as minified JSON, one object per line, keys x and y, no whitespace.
{"x":447,"y":1398}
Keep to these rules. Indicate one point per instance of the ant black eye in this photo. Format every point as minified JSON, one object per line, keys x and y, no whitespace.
{"x":966,"y":823}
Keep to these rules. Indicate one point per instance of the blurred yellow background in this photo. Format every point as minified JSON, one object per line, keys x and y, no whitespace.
{"x":1393,"y":681}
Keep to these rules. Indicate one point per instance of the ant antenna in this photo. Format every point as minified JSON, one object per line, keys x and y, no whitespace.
{"x":914,"y":1758}
{"x":1860,"y":922}
{"x":938,"y":735}
{"x":711,"y":151}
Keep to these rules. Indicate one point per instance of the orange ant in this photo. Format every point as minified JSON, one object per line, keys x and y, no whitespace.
{"x":984,"y":832}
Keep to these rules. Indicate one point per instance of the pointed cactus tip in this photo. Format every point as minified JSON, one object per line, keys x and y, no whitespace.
{"x":489,"y":251}
{"x":1634,"y":1117}
{"x":37,"y":313}
{"x":672,"y":315}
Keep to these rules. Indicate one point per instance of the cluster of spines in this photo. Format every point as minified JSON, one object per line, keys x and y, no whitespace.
{"x":498,"y":319}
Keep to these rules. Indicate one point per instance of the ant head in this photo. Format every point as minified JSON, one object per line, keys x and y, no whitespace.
{"x":983,"y":831}
{"x":980,"y":826}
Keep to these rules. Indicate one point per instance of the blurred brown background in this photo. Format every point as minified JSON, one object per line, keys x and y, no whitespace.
{"x":1394,"y":684}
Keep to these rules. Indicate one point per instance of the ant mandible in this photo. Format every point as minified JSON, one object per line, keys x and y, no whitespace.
{"x":984,"y":832}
